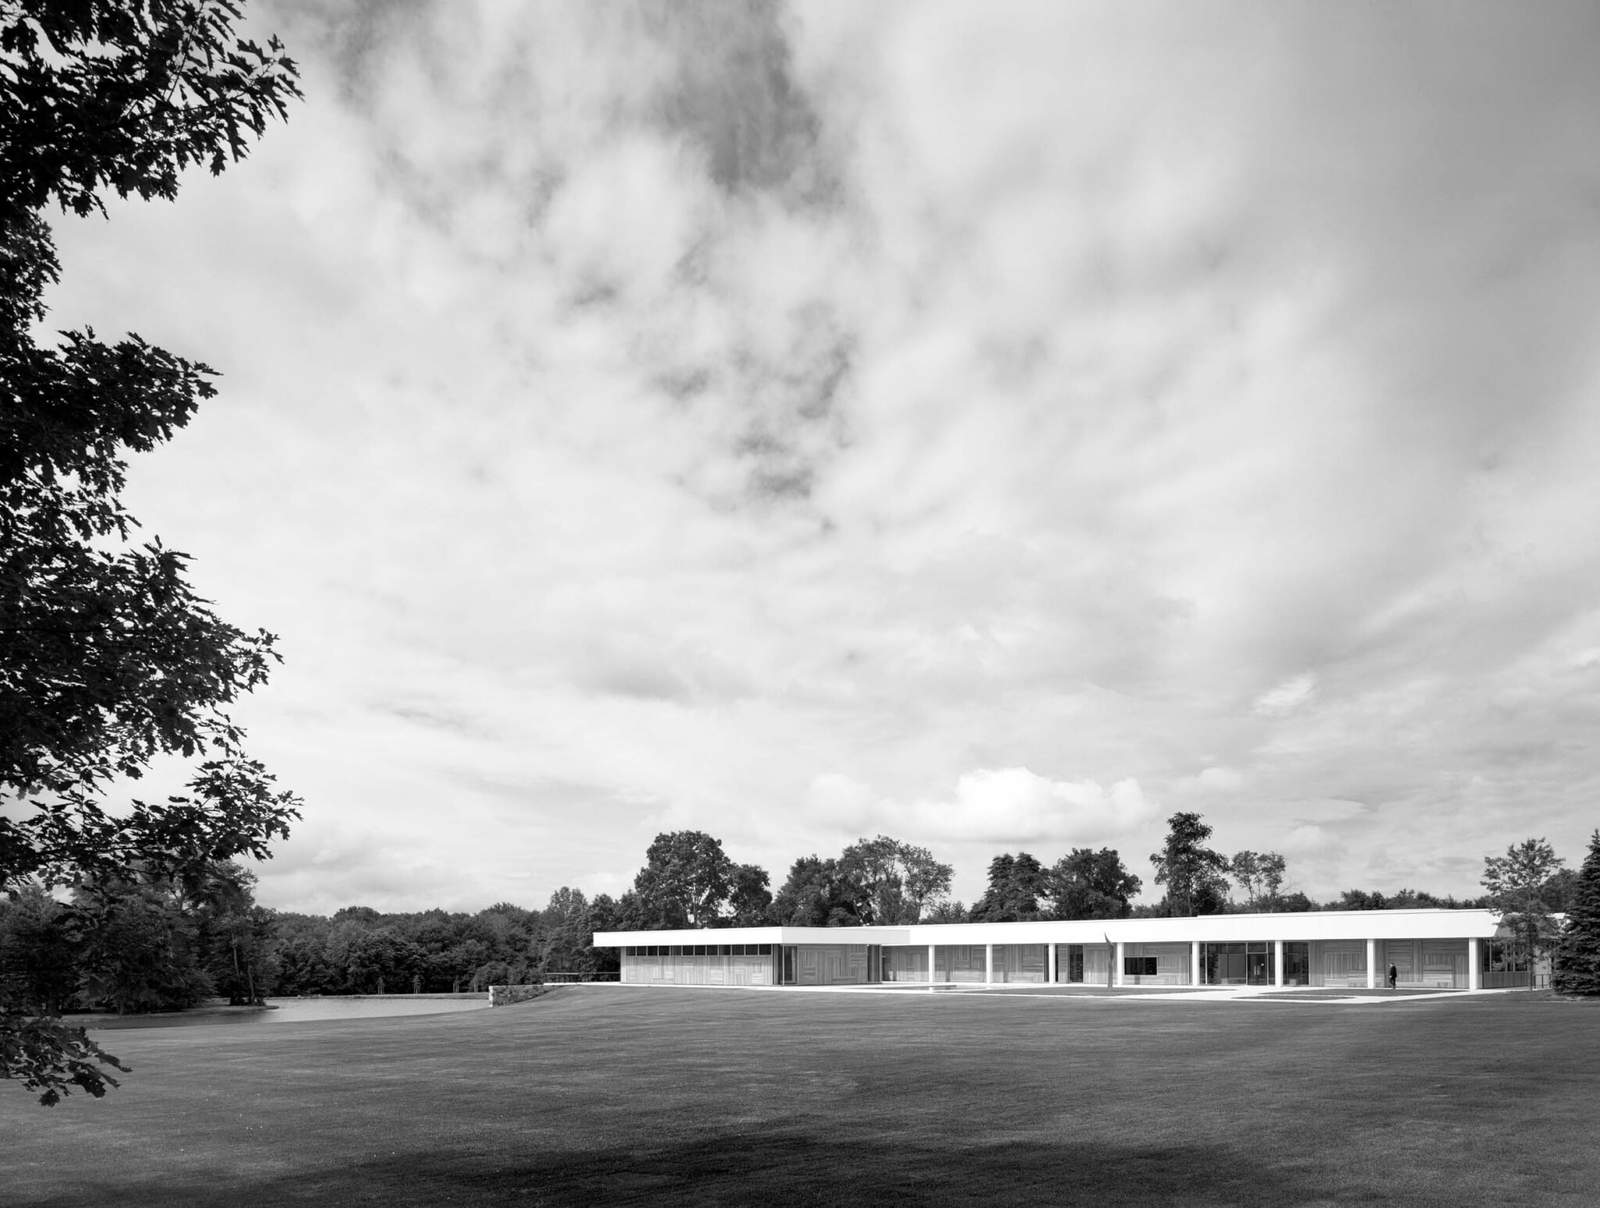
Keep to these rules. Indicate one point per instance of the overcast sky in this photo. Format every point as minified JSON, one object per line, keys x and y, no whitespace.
{"x":996,"y":426}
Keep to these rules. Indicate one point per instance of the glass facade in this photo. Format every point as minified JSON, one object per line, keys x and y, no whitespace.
{"x":1254,"y":964}
{"x":1429,"y":962}
{"x":1297,"y":964}
{"x":1238,"y":964}
{"x":1069,"y":962}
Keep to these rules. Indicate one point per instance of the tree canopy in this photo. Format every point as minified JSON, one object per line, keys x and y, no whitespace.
{"x":108,"y":659}
{"x":1518,"y":885}
{"x":689,"y":881}
{"x":895,"y":880}
{"x":1575,"y":963}
{"x":1195,"y":876}
{"x":1016,"y":883}
{"x":881,"y":881}
{"x":818,"y":893}
{"x":1088,"y":884}
{"x":1260,"y":875}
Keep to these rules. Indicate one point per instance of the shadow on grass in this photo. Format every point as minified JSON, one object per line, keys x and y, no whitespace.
{"x":740,"y":1169}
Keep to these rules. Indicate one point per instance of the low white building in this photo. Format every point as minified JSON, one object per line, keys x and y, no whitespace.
{"x":1424,"y":948}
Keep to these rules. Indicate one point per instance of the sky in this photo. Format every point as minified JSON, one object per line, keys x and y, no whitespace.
{"x":996,"y":426}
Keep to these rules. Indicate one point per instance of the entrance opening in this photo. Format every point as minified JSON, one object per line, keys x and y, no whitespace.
{"x":1238,"y":964}
{"x":787,"y":976}
{"x":1073,"y":970}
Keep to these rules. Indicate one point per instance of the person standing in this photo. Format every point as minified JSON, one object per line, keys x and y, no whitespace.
{"x":1394,"y":977}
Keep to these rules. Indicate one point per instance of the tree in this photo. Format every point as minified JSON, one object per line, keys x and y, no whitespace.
{"x":237,"y":939}
{"x":1575,"y":963}
{"x":1260,"y":876}
{"x":873,"y":868}
{"x":1357,"y":899}
{"x":947,"y":910}
{"x":1193,"y":874}
{"x":565,"y":933}
{"x":509,"y":933}
{"x":1088,"y":884}
{"x":687,"y":881}
{"x":108,"y":659}
{"x":605,"y":914}
{"x":1016,"y":884}
{"x":750,"y":899}
{"x":1517,"y":883}
{"x":817,"y":893}
{"x":141,"y":949}
{"x":896,"y":880}
{"x":39,"y":944}
{"x":303,"y":965}
{"x":374,"y":960}
{"x":1559,"y":891}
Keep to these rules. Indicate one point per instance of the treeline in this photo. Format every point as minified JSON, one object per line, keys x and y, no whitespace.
{"x":139,"y":942}
{"x":361,"y":951}
{"x":147,"y":944}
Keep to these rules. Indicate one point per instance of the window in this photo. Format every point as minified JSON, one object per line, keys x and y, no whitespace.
{"x":1139,"y":966}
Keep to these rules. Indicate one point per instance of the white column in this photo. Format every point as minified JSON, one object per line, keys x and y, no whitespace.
{"x":1117,"y":968}
{"x":1196,"y":974}
{"x":1050,"y":962}
{"x":1277,"y":963}
{"x":1474,"y":965}
{"x":1372,"y":964}
{"x":988,"y":964}
{"x":931,"y":965}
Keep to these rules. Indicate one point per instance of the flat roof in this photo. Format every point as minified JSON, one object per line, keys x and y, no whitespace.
{"x":1212,"y":928}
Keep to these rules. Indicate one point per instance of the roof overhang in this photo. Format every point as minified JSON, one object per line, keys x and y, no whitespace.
{"x":1210,"y":928}
{"x":756,"y":935}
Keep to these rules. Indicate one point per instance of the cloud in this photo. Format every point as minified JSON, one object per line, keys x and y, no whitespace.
{"x":1306,"y":838}
{"x":1219,"y":779}
{"x":998,"y":806}
{"x":1287,"y":696}
{"x":654,"y":414}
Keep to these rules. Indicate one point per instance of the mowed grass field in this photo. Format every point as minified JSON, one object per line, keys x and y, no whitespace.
{"x":622,"y":1095}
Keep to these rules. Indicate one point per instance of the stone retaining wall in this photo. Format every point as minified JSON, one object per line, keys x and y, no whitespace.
{"x":500,"y":996}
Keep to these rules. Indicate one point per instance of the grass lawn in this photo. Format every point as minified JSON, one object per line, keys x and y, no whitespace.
{"x":621,"y":1095}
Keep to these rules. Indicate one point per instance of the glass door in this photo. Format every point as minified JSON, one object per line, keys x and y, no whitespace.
{"x":1297,"y":964}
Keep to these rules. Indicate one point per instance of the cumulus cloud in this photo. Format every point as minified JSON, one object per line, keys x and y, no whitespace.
{"x":998,"y":806}
{"x":1307,"y":838}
